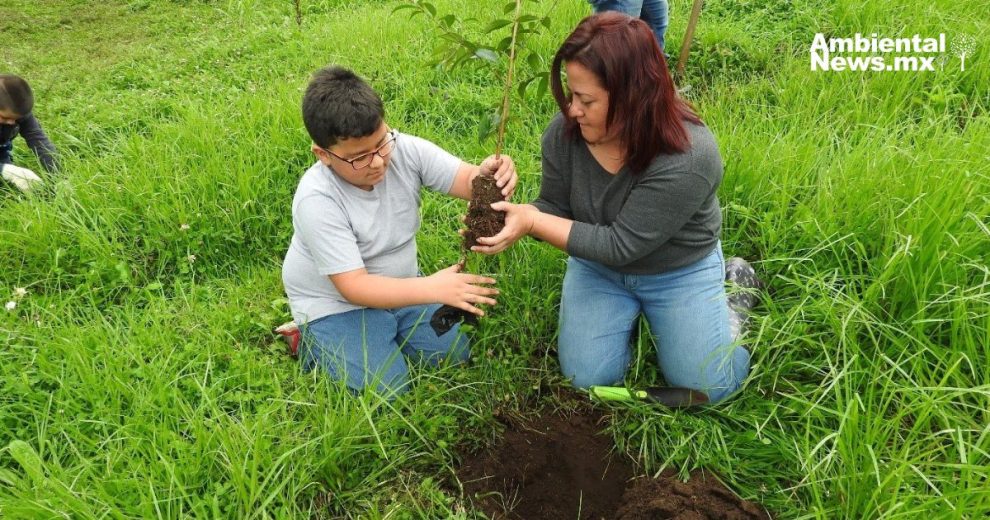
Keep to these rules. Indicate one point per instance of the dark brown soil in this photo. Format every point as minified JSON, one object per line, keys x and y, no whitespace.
{"x":556,"y":467}
{"x":702,"y":497}
{"x":551,"y":468}
{"x":482,"y":220}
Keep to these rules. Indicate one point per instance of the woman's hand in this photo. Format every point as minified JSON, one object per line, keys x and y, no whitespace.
{"x":519,"y":219}
{"x":461,"y":290}
{"x":504,"y":171}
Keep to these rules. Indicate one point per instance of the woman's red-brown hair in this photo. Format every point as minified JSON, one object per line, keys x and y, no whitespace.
{"x":623,"y":53}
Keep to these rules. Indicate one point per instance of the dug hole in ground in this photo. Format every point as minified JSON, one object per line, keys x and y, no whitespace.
{"x":558,"y":466}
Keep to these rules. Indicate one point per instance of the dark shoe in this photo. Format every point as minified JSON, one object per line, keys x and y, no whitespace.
{"x":446,"y":317}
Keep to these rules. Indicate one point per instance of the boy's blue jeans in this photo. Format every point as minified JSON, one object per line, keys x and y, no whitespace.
{"x":367,"y":347}
{"x":653,"y":12}
{"x":687,"y":312}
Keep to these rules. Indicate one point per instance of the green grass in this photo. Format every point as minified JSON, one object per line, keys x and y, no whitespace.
{"x":136,"y":383}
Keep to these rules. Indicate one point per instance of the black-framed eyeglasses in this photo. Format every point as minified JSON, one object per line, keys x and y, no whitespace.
{"x":364,"y":160}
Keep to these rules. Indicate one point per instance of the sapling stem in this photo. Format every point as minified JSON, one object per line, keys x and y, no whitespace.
{"x":443,"y":318}
{"x":500,"y":137}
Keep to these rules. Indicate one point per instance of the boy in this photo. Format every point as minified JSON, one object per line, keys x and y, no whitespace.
{"x":16,"y":103}
{"x":351,"y":270}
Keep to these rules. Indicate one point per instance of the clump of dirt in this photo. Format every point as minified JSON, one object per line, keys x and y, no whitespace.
{"x":702,"y":497}
{"x":482,"y":220}
{"x":554,"y":467}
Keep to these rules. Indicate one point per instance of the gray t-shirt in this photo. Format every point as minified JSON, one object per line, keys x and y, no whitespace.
{"x":664,"y":218}
{"x":339,"y":227}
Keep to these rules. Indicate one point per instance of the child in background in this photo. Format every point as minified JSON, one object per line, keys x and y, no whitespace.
{"x":653,"y":12}
{"x":351,"y":271}
{"x":16,"y":103}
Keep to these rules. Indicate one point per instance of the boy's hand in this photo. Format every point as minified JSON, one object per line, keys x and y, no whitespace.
{"x":22,"y":178}
{"x":461,"y":290}
{"x":504,"y":171}
{"x":519,"y":219}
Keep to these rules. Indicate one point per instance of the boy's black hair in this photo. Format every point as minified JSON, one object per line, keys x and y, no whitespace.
{"x":15,"y":95}
{"x":340,"y":105}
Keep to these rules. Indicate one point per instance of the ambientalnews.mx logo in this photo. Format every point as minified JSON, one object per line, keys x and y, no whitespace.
{"x":873,"y":53}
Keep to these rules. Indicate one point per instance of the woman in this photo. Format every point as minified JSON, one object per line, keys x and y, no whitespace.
{"x":630,"y":175}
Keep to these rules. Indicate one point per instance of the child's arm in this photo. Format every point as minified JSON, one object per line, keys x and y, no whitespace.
{"x":447,"y":286}
{"x":39,"y":142}
{"x":505,"y":176}
{"x":6,"y":145}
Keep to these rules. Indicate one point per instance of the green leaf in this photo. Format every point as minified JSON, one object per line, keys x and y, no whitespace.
{"x":503,"y":45}
{"x":544,"y":86}
{"x":525,"y":83}
{"x":488,"y":125}
{"x":545,"y":21}
{"x":429,"y":7}
{"x":509,"y":7}
{"x":534,"y":61}
{"x":496,"y":25}
{"x":29,"y":460}
{"x":487,"y":54}
{"x":403,"y":6}
{"x":448,"y":20}
{"x":459,"y":40}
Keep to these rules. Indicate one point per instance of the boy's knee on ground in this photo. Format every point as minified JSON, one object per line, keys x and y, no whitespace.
{"x":424,"y":347}
{"x":459,"y":351}
{"x":390,"y":377}
{"x":391,"y":385}
{"x":370,"y":357}
{"x":454,"y":356}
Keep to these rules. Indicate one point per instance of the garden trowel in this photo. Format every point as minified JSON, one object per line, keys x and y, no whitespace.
{"x":671,"y":397}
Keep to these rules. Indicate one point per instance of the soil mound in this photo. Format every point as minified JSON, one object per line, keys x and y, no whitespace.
{"x":702,"y":497}
{"x":551,"y":468}
{"x":556,"y":467}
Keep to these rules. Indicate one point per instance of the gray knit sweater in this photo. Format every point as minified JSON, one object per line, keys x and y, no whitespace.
{"x":664,"y":218}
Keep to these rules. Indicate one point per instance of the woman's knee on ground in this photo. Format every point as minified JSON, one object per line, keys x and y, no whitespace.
{"x":718,"y":376}
{"x":586,"y":366}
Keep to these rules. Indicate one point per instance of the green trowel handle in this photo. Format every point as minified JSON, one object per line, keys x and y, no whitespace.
{"x":617,"y":393}
{"x":668,"y":396}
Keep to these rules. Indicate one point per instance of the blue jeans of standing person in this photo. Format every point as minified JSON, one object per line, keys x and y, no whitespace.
{"x":653,"y":12}
{"x":687,"y":312}
{"x":368,"y":347}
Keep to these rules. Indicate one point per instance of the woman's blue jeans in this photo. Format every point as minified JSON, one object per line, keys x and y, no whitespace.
{"x":368,"y":347}
{"x":688,"y":316}
{"x":653,"y":12}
